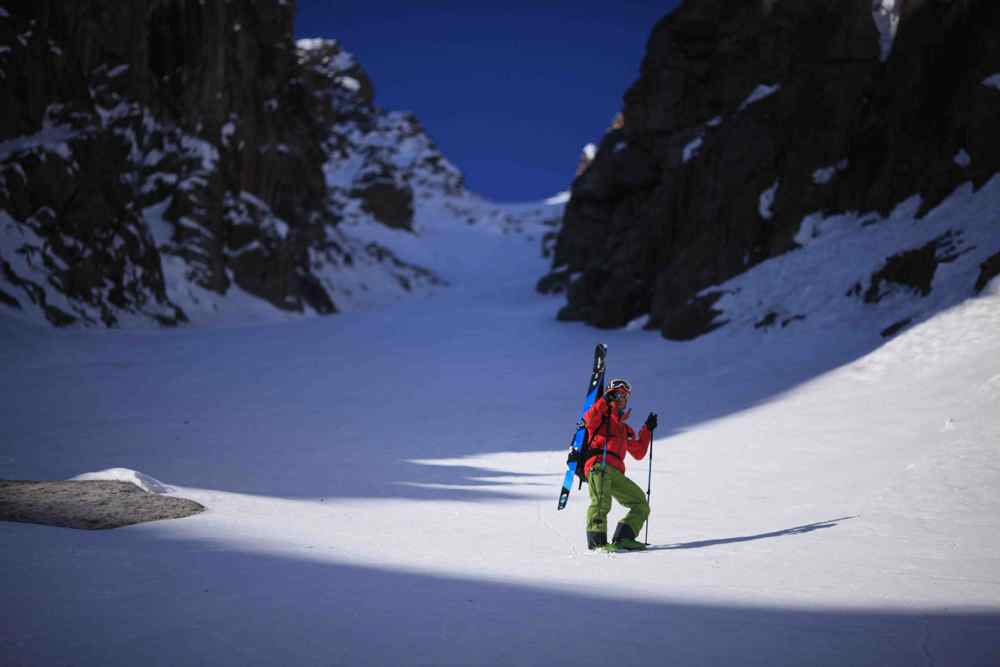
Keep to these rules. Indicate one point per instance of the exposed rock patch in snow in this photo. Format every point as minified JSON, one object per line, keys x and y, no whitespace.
{"x":93,"y":504}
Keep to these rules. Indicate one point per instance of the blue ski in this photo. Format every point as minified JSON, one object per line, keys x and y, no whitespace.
{"x":594,"y":391}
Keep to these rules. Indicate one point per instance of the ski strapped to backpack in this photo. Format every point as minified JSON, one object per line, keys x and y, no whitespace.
{"x":574,"y":462}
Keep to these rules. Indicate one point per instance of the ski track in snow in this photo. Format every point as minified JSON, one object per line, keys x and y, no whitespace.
{"x":381,"y":486}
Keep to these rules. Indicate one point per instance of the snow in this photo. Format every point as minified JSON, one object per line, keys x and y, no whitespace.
{"x":824,"y":175}
{"x":108,"y":116}
{"x":760,"y":92}
{"x":342,"y":61}
{"x":25,"y":253}
{"x":849,"y":248}
{"x":381,"y":486}
{"x":310,"y":43}
{"x":51,"y":138}
{"x":204,"y":306}
{"x":208,"y":153}
{"x":561,"y":198}
{"x":691,"y":149}
{"x":143,"y":481}
{"x":590,"y":150}
{"x":962,"y":158}
{"x":766,"y":200}
{"x":227,"y":131}
{"x":341,"y":173}
{"x":637,"y":323}
{"x":886,"y":16}
{"x":992,"y":81}
{"x":350,"y":83}
{"x":253,"y":200}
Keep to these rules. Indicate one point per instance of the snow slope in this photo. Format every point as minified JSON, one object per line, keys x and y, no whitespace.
{"x":381,"y":486}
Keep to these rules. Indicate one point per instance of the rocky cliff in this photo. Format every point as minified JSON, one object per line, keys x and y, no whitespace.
{"x":163,"y":159}
{"x":750,"y":116}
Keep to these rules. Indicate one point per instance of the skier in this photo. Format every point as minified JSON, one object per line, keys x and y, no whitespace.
{"x":610,"y":438}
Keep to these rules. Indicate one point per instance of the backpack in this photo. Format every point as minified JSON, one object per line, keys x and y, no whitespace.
{"x":586,"y":452}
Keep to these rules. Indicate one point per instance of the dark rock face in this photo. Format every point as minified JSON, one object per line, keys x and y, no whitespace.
{"x":746,"y":117}
{"x":988,"y":270}
{"x":894,"y":329}
{"x":391,"y":204}
{"x":914,"y":269}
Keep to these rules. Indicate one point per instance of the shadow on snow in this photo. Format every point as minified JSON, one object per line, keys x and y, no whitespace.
{"x":797,"y":530}
{"x":180,"y":601}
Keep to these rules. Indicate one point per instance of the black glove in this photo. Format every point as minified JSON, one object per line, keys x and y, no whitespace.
{"x":651,"y":421}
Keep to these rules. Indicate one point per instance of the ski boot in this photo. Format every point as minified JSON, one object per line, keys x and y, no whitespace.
{"x":624,"y":539}
{"x":597,"y":539}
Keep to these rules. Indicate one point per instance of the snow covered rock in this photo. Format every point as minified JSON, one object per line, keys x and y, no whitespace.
{"x":121,"y":211}
{"x":144,"y":482}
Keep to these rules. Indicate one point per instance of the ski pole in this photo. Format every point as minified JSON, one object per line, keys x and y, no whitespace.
{"x":649,"y":480}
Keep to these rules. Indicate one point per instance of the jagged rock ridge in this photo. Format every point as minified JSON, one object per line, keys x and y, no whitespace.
{"x":164,"y":159}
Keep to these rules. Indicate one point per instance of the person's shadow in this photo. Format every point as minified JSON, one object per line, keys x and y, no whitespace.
{"x":797,"y":530}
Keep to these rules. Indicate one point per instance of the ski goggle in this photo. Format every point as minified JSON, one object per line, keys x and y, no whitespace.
{"x":617,"y":396}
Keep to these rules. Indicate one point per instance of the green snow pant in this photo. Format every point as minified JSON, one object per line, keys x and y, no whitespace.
{"x":603,"y":485}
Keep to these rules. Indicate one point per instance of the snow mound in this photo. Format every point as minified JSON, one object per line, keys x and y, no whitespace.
{"x":143,"y":481}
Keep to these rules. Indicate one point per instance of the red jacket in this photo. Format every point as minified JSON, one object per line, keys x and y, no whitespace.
{"x":606,"y":425}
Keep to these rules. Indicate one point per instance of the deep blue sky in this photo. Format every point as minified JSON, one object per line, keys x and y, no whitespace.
{"x":510,"y":92}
